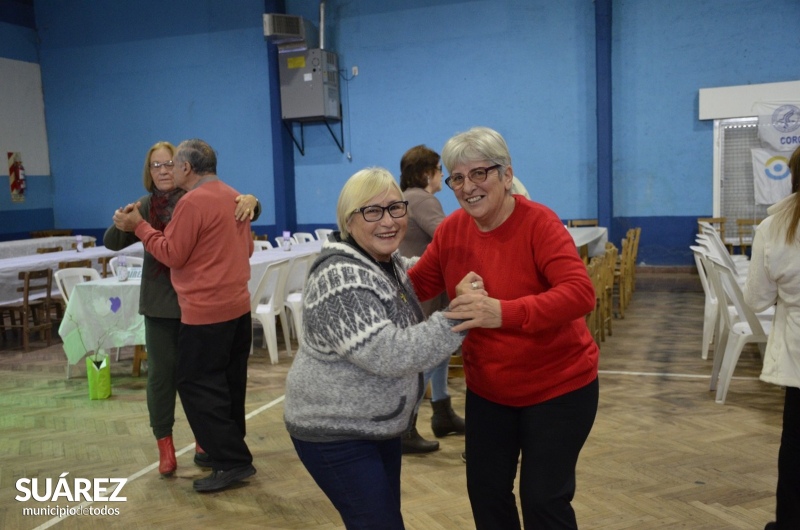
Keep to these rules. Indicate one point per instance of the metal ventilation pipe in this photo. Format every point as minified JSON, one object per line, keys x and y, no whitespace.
{"x":322,"y":24}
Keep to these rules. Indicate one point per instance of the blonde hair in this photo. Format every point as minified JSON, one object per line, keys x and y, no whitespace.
{"x":359,"y":189}
{"x":794,"y":216}
{"x":147,"y":178}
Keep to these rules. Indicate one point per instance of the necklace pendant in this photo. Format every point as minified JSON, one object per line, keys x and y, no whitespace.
{"x":403,"y":297}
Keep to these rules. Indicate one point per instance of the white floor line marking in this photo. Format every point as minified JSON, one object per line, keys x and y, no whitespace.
{"x":55,"y":520}
{"x":668,"y":374}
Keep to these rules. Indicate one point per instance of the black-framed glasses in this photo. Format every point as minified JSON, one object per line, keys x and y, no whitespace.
{"x":456,"y":182}
{"x":374,"y":213}
{"x":169,"y":164}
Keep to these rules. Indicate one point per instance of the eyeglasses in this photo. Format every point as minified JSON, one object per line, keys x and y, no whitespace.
{"x":374,"y":213}
{"x":169,"y":164}
{"x":476,"y":175}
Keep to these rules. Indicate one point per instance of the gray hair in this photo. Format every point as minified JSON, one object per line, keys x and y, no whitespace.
{"x":478,"y":143}
{"x":360,"y":188}
{"x":199,"y":154}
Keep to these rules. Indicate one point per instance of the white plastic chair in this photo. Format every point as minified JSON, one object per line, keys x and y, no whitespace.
{"x":733,"y":335}
{"x":293,"y":294}
{"x":260,"y":244}
{"x":322,"y":233}
{"x":130,"y":261}
{"x":279,"y":240}
{"x":67,"y":279}
{"x":266,"y":303}
{"x":303,"y":237}
{"x":710,"y":312}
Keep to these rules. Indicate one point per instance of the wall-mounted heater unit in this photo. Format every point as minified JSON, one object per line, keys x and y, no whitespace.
{"x":309,"y":85}
{"x":309,"y":74}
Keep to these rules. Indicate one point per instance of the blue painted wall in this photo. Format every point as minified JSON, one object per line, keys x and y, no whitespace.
{"x":117,"y":79}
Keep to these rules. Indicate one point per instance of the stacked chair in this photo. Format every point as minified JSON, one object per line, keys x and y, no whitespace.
{"x":729,"y":323}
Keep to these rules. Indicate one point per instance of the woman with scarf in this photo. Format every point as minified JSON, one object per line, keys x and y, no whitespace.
{"x":158,"y":301}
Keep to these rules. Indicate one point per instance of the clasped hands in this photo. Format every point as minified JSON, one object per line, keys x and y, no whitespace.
{"x":127,"y":217}
{"x":473,"y":305}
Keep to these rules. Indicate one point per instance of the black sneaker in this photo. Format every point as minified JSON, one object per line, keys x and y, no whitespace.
{"x":202,"y":460}
{"x":221,"y":479}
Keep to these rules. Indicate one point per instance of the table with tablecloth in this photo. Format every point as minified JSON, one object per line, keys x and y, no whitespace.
{"x":11,"y":267}
{"x":26,"y":247}
{"x":104,"y":313}
{"x":592,"y":238}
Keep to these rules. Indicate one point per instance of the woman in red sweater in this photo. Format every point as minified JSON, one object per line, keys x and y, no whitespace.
{"x":529,"y":360}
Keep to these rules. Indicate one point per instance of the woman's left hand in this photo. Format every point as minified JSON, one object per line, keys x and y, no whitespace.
{"x":476,"y":310}
{"x":245,"y":207}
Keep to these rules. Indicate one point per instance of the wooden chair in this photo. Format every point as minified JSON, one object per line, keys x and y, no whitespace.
{"x":609,"y":266}
{"x":103,"y":262}
{"x":46,"y":250}
{"x":33,"y":311}
{"x":593,"y":318}
{"x":622,"y":277}
{"x":582,"y":222}
{"x":86,"y":244}
{"x":51,"y":233}
{"x":86,"y":263}
{"x":747,"y":230}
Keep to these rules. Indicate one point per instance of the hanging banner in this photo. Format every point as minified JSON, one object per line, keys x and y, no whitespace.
{"x":771,"y":176}
{"x":16,"y":177}
{"x":779,"y":125}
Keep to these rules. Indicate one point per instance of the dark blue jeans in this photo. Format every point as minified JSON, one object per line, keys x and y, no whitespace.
{"x":360,"y":477}
{"x":549,"y":436}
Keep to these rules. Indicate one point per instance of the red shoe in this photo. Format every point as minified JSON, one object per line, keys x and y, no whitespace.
{"x":166,"y":456}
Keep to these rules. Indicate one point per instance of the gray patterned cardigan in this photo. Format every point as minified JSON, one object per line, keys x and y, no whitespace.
{"x":357,"y":374}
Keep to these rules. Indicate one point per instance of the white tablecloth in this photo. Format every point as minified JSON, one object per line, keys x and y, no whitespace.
{"x":104,"y":313}
{"x":101,"y":314}
{"x":11,"y":267}
{"x":593,"y":237}
{"x":26,"y":247}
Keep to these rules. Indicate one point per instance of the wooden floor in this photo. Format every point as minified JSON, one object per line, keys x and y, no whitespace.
{"x":662,"y":454}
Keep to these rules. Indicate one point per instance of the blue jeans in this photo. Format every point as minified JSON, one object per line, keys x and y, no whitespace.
{"x":360,"y":477}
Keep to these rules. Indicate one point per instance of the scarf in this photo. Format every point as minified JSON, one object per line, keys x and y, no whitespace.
{"x":162,"y":204}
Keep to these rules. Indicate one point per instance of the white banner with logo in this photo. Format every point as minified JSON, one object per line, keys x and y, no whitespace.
{"x":771,"y":177}
{"x":779,"y":124}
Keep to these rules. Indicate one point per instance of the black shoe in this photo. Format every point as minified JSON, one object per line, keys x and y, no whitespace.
{"x":413,"y":443}
{"x":771,"y":526}
{"x":202,"y":460}
{"x":221,"y":479}
{"x":444,"y":420}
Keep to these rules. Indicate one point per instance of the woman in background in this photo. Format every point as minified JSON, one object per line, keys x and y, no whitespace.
{"x":774,"y":278}
{"x":158,"y":301}
{"x":420,"y":179}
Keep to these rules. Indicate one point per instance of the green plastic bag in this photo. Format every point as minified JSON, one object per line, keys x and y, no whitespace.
{"x":98,"y":371}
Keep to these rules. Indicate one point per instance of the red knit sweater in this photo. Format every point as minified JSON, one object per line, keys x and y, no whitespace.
{"x":208,"y":253}
{"x":544,"y":348}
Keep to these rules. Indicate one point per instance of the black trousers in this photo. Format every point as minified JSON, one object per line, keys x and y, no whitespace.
{"x":549,"y":436}
{"x":212,"y":381}
{"x":788,"y":495}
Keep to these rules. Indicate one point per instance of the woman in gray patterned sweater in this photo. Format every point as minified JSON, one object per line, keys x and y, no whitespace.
{"x":353,"y":385}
